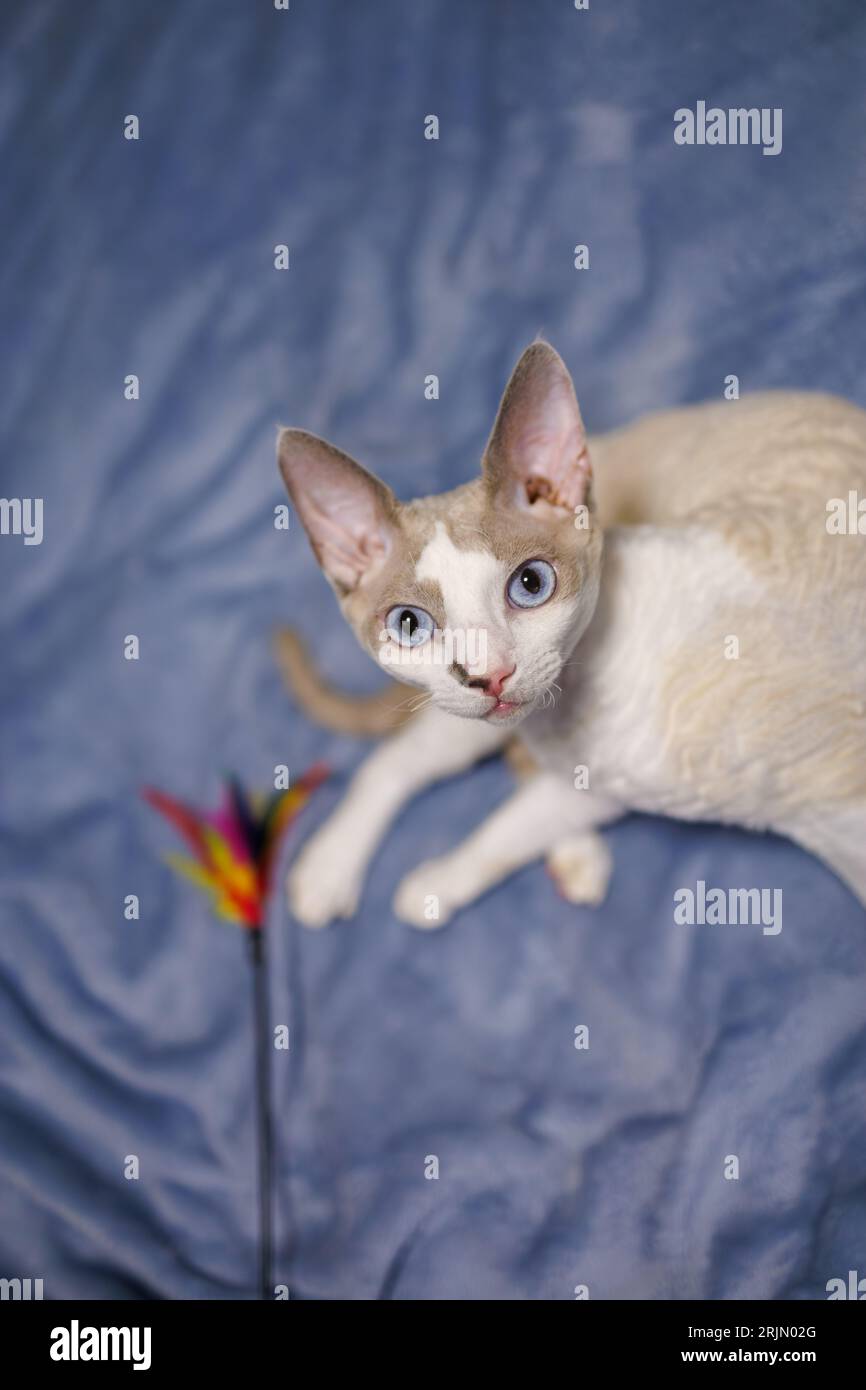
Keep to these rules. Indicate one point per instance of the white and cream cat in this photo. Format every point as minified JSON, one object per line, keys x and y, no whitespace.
{"x":684,"y":628}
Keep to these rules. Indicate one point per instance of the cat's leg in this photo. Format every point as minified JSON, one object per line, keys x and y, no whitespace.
{"x":580,"y":866}
{"x":543,"y":813}
{"x":836,"y":834}
{"x":325,"y":881}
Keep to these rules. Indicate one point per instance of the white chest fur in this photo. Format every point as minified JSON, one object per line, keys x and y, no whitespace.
{"x":668,"y":594}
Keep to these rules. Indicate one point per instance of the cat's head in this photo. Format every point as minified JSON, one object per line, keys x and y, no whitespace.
{"x":478,"y":595}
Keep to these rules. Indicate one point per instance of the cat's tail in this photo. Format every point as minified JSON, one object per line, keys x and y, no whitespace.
{"x":366,"y":715}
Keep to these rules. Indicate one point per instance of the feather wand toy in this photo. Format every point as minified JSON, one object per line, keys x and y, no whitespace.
{"x":234,"y":851}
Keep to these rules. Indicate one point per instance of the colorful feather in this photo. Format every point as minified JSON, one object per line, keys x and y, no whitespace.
{"x":235,"y":846}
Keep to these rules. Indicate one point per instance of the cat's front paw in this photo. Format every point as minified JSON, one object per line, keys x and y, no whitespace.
{"x":581,"y":868}
{"x":321,"y":886}
{"x":426,"y":897}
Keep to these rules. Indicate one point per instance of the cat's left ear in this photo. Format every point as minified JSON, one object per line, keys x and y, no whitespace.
{"x":537,"y":456}
{"x":349,"y":515}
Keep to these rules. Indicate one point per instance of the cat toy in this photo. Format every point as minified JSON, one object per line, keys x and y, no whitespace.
{"x":234,"y":852}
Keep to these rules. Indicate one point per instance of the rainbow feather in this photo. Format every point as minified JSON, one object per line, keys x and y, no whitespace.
{"x":234,"y":847}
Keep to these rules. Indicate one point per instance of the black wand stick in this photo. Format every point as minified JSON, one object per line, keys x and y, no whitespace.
{"x":264,"y":1117}
{"x":234,"y":854}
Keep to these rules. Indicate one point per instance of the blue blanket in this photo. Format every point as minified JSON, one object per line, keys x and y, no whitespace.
{"x":606,"y":1168}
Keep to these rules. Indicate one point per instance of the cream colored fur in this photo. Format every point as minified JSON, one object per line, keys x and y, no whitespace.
{"x":715,"y":543}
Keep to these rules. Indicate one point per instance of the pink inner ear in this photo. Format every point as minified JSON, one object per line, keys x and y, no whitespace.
{"x":561,"y":481}
{"x":552,"y":453}
{"x":538,"y":452}
{"x":348,"y":540}
{"x":347,"y":512}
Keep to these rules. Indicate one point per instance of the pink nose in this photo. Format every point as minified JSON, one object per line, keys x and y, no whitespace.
{"x":492,"y":684}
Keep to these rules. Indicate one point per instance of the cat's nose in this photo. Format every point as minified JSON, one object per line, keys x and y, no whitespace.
{"x":492,"y":684}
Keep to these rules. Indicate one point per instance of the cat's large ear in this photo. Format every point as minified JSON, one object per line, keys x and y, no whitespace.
{"x":348,"y":514}
{"x":537,"y":455}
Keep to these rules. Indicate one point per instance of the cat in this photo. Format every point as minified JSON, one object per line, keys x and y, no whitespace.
{"x":667,"y":620}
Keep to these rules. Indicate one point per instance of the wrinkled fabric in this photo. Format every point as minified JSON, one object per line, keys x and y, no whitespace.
{"x":558,"y":1166}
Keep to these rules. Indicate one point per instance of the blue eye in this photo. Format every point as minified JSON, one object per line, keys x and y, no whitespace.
{"x":531,"y":585}
{"x":409,"y":626}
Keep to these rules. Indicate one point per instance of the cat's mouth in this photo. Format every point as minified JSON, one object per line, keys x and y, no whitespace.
{"x":504,"y":709}
{"x":489,"y":709}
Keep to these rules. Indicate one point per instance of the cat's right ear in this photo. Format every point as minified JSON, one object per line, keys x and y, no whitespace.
{"x":348,"y":514}
{"x":537,"y":456}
